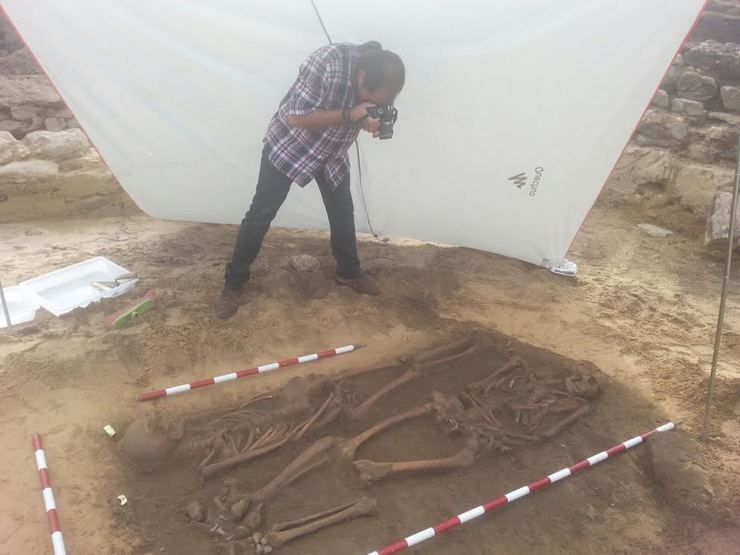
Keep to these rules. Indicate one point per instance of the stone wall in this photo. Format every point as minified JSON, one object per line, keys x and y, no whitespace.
{"x":28,"y":102}
{"x":47,"y":166}
{"x":685,"y":146}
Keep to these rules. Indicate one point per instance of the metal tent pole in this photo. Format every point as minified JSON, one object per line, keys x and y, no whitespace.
{"x":723,"y":298}
{"x":5,"y":307}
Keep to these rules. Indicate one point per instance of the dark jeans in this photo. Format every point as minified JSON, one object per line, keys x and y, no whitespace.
{"x":272,"y":189}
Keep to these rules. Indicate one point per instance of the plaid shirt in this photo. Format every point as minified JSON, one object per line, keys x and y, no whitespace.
{"x":325,"y":82}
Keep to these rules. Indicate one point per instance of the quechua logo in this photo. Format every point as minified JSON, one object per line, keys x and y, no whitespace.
{"x":521,"y":180}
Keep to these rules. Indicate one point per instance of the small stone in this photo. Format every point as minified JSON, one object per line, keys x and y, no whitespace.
{"x":700,"y":152}
{"x":658,"y":128}
{"x":695,"y":86}
{"x":305,"y":263}
{"x":267,"y":549}
{"x":24,"y":112}
{"x":63,"y":113}
{"x":693,"y":108}
{"x":642,"y":140}
{"x":654,"y":230}
{"x":36,"y":123}
{"x":239,"y":509}
{"x":661,"y":99}
{"x":10,"y":148}
{"x":58,"y":146}
{"x":722,"y":134}
{"x":678,"y":60}
{"x":12,"y":126}
{"x":696,"y":184}
{"x":195,"y":511}
{"x":671,"y":76}
{"x":28,"y":89}
{"x":54,"y":124}
{"x":718,"y":221}
{"x":727,"y":118}
{"x":679,"y":131}
{"x":731,"y":98}
{"x":688,"y":107}
{"x":29,"y":170}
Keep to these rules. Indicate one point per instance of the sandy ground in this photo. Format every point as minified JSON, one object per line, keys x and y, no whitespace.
{"x":642,"y":309}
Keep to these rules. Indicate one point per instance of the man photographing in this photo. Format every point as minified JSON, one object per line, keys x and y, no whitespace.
{"x":334,"y":97}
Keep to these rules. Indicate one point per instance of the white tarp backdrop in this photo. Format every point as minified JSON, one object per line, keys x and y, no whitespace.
{"x":176,"y":96}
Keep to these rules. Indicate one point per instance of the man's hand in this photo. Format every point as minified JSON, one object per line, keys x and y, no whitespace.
{"x":321,"y":119}
{"x":360,"y":113}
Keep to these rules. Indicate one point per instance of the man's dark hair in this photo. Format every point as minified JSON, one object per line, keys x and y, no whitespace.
{"x":383,"y":68}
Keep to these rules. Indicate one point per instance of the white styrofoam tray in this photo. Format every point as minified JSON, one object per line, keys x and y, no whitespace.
{"x":63,"y":290}
{"x":22,"y":306}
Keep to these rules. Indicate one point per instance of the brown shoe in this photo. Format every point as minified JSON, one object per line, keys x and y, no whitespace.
{"x":228,"y":303}
{"x":362,"y":285}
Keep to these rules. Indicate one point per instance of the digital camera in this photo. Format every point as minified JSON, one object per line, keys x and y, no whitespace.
{"x":387,"y":116}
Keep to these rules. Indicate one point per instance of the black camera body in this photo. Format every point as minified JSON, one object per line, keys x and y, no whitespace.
{"x":387,"y":116}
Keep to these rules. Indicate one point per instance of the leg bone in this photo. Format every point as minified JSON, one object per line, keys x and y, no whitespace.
{"x":565,"y":422}
{"x":444,"y":351}
{"x":300,"y":465}
{"x":280,"y":534}
{"x":349,"y":447}
{"x":371,"y":471}
{"x":362,"y":408}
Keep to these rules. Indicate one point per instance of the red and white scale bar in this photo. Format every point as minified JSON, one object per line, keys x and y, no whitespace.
{"x":512,"y":496}
{"x":246,"y":372}
{"x":57,"y":541}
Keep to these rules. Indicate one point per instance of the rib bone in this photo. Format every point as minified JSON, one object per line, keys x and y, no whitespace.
{"x":490,"y":382}
{"x":214,"y":468}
